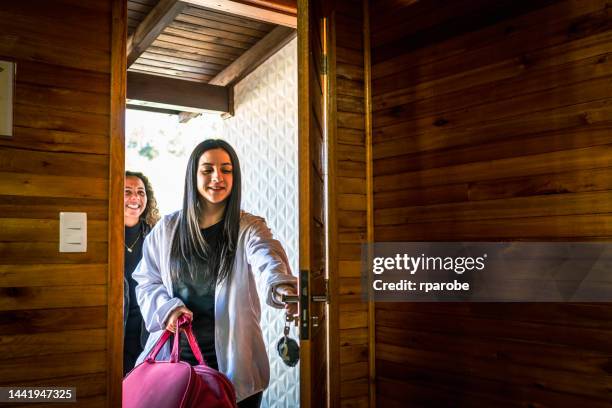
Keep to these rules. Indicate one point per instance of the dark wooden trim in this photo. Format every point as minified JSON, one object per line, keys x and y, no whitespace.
{"x":367,"y":98}
{"x":176,"y":94}
{"x":275,"y":12}
{"x":254,"y":56}
{"x":114,"y":336}
{"x":333,"y":225}
{"x":148,"y":108}
{"x":304,"y":174}
{"x":286,"y":6}
{"x":230,"y":113}
{"x":153,"y":24}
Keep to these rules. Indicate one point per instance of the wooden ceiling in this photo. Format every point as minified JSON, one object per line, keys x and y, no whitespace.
{"x":212,"y":42}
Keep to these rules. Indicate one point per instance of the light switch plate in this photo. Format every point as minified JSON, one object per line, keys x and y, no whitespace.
{"x":73,"y":232}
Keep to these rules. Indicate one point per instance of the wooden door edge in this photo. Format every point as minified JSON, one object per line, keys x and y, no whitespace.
{"x":303,"y":50}
{"x":114,"y":329}
{"x":367,"y":70}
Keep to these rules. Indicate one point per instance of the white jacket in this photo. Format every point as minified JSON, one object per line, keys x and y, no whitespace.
{"x":241,"y":354}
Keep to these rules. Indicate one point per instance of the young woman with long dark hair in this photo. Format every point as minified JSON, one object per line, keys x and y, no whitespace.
{"x":203,"y":261}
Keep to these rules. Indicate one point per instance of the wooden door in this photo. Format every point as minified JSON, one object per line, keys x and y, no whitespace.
{"x":312,"y":172}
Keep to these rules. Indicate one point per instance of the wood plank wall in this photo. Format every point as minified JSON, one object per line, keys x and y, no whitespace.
{"x":350,"y":204}
{"x":492,"y":121}
{"x":53,"y":307}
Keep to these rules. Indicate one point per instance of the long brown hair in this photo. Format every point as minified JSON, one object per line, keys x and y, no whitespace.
{"x":151,"y":213}
{"x":190,"y":254}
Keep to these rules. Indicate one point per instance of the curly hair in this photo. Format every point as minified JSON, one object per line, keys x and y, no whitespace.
{"x":151,"y":213}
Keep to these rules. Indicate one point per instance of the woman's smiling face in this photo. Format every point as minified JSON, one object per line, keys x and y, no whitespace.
{"x":215,"y":176}
{"x":134,"y":199}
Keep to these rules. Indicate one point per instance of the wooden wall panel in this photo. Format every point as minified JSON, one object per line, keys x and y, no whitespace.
{"x":351,"y":204}
{"x":53,"y":318}
{"x":492,"y":121}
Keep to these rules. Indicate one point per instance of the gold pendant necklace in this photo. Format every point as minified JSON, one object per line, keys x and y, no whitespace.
{"x":129,"y":248}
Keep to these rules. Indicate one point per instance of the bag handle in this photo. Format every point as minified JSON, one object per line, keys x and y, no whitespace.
{"x":184,"y":322}
{"x":160,"y":343}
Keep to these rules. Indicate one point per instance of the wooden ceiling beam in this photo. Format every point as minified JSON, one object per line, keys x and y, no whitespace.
{"x":287,"y":6}
{"x":281,"y":12}
{"x":153,"y":24}
{"x":175,"y":94}
{"x":254,"y":56}
{"x":148,"y":108}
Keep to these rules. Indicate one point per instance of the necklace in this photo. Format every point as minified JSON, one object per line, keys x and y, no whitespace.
{"x":129,"y":248}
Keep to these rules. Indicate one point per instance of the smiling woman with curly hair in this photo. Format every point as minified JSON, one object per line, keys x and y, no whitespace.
{"x":150,"y":215}
{"x":140,"y":216}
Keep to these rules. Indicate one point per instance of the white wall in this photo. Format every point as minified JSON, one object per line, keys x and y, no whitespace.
{"x":264,"y":133}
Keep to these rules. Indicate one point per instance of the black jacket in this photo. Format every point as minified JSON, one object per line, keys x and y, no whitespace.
{"x":126,"y":296}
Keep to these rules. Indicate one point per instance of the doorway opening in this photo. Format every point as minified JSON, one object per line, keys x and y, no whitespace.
{"x":264,"y":133}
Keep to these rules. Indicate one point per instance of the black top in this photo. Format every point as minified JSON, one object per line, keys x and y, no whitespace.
{"x":199,"y":297}
{"x":134,"y":237}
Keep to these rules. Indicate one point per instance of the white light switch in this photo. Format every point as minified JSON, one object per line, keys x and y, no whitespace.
{"x":73,"y":232}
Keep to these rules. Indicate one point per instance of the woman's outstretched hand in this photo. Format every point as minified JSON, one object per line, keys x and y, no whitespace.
{"x":176,"y":313}
{"x":291,"y":308}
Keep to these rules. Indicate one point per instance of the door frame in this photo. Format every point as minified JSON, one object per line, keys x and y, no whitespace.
{"x":114,"y":319}
{"x":331,"y":230}
{"x":114,"y":342}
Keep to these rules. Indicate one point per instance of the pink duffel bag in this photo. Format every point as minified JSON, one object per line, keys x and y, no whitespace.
{"x":175,"y":383}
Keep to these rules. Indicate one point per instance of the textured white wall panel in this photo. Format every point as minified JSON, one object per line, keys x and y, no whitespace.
{"x":264,"y":133}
